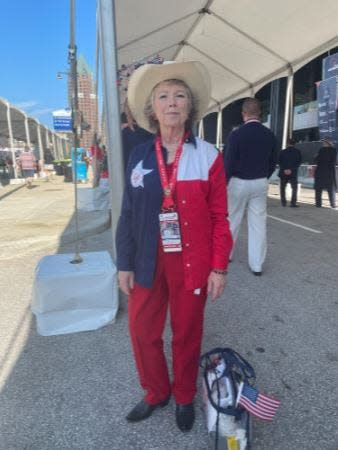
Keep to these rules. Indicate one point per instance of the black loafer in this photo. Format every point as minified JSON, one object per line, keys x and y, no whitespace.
{"x":185,"y":416}
{"x":143,"y":410}
{"x":257,"y":274}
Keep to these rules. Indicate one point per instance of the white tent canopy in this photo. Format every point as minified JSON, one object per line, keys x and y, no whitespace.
{"x":244,"y":44}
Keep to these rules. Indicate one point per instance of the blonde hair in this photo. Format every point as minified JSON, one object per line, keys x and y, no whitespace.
{"x":149,"y":110}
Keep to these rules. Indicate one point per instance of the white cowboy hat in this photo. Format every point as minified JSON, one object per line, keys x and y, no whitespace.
{"x":146,"y":77}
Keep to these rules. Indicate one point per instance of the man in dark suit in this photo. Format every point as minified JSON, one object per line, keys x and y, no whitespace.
{"x":250,"y":159}
{"x":289,"y":161}
{"x":325,"y":174}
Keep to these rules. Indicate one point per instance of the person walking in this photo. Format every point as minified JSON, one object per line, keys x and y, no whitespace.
{"x":27,"y":164}
{"x":96,"y":159}
{"x":173,"y":239}
{"x":250,"y":159}
{"x":325,"y":173}
{"x":289,"y":161}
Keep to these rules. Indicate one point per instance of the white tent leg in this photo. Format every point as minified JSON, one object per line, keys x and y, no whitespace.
{"x":47,"y":141}
{"x":11,"y":142}
{"x":60,"y":147}
{"x":28,"y":139}
{"x":287,"y":113}
{"x":201,"y":129}
{"x":56,"y":150}
{"x":41,"y":156}
{"x":106,"y":13}
{"x":219,"y":137}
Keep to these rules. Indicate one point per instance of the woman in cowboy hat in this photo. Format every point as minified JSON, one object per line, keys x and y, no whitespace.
{"x":173,"y":239}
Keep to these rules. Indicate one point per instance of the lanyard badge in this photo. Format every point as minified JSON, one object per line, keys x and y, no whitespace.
{"x":169,"y":220}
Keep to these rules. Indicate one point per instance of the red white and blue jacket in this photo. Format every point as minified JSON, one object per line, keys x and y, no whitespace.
{"x":201,"y":203}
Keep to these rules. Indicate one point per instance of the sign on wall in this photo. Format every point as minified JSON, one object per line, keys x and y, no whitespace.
{"x":62,"y":121}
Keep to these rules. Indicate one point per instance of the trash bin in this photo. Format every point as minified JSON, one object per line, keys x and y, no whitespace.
{"x":59,"y":169}
{"x":68,"y":173}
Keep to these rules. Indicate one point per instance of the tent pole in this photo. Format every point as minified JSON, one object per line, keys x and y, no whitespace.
{"x":291,"y":109}
{"x":40,"y":148}
{"x":56,"y":150}
{"x":11,"y":143}
{"x":106,"y":14}
{"x":201,"y":129}
{"x":219,"y":137}
{"x":28,"y":139}
{"x":47,"y":141}
{"x":287,"y":112}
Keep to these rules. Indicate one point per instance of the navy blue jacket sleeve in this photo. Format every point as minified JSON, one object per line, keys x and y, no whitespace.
{"x":125,"y":244}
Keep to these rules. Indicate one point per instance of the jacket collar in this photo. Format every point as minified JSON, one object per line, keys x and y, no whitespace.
{"x":191,"y":139}
{"x":251,"y":121}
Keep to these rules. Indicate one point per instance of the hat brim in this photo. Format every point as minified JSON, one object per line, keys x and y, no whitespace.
{"x":146,"y":77}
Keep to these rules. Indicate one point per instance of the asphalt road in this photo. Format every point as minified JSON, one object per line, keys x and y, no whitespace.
{"x":73,"y":391}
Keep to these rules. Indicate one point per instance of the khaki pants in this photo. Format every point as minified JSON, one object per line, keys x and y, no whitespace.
{"x":250,"y":196}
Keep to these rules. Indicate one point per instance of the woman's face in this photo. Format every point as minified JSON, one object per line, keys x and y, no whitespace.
{"x":171,"y":105}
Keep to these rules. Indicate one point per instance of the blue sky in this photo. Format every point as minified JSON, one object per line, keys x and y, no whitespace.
{"x":34,"y":38}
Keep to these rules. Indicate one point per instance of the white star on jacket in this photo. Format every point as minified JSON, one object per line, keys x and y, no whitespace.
{"x":137,"y":174}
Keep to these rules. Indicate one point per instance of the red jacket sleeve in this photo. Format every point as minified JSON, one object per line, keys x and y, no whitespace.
{"x":217,"y":200}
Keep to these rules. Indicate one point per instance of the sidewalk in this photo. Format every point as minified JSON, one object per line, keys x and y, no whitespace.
{"x":44,"y":215}
{"x":72,"y":392}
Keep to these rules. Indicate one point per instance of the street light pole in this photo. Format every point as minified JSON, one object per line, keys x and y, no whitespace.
{"x":76,"y":123}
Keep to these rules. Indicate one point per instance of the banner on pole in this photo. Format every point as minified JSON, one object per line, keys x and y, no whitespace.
{"x":327,"y":108}
{"x":330,"y":66}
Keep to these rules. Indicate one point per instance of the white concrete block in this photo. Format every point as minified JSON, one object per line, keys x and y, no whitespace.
{"x":93,"y":199}
{"x":68,"y":297}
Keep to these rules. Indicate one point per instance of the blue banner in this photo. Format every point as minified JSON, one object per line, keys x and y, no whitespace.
{"x":330,"y":66}
{"x":327,"y":108}
{"x":62,"y":124}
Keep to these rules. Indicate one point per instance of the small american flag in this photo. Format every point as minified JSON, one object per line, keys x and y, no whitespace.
{"x":260,"y":405}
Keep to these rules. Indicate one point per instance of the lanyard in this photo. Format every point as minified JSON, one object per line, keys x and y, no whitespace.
{"x":168,"y":186}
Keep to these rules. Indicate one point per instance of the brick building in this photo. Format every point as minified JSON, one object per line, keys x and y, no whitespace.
{"x":87,"y":101}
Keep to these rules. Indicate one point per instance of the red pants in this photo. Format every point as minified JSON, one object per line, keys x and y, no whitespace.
{"x":147,"y":310}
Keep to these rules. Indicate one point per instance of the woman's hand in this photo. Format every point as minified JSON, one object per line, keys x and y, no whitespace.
{"x":126,"y":281}
{"x":216,"y":285}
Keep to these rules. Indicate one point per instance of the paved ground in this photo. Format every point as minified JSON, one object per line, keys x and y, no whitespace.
{"x":73,"y":391}
{"x":42,"y":216}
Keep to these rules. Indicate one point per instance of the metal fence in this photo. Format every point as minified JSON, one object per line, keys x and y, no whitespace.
{"x":305,"y":175}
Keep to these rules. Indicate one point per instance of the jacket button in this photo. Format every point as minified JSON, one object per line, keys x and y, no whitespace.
{"x":187,"y":244}
{"x":188,"y":264}
{"x":186,"y":224}
{"x":183,"y":201}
